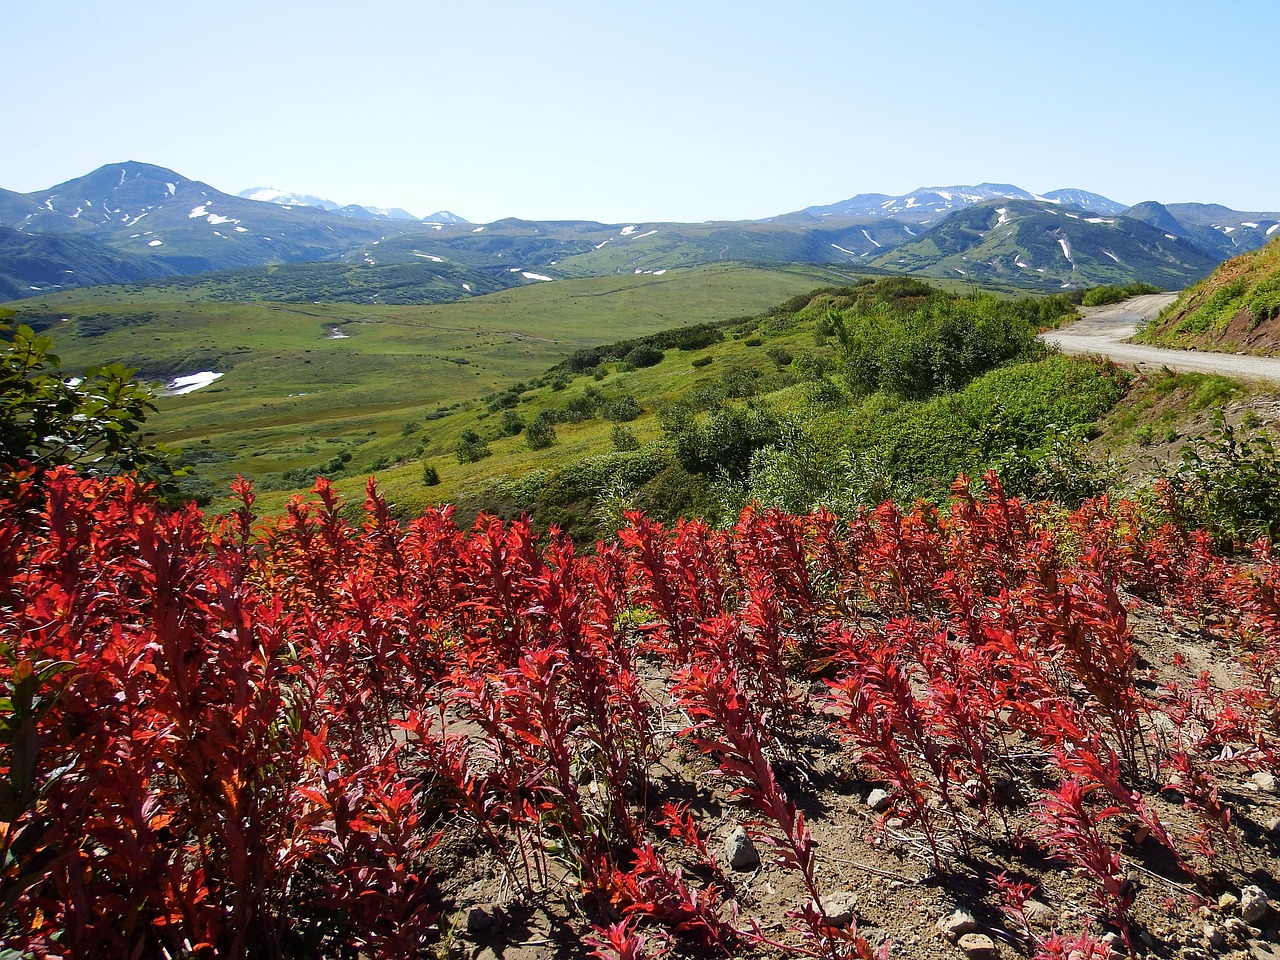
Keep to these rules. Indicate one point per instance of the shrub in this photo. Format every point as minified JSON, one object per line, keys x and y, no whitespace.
{"x":93,"y":423}
{"x":703,"y":361}
{"x":430,"y":475}
{"x":1227,"y":484}
{"x":643,"y":355}
{"x":722,"y":445}
{"x":511,"y":424}
{"x":471,"y":447}
{"x":623,"y":439}
{"x":624,"y":409}
{"x":541,"y":432}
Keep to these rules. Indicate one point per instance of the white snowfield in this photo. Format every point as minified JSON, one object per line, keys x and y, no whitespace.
{"x":191,"y":382}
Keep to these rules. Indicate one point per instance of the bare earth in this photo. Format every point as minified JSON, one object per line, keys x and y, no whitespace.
{"x":1104,"y":331}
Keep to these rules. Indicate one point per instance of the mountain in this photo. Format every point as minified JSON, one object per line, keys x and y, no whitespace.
{"x":1214,"y":228}
{"x":360,"y":212}
{"x":185,"y":225}
{"x":1084,"y":200}
{"x":32,"y":263}
{"x":137,"y":213}
{"x":928,"y":204}
{"x":1039,"y":243}
{"x":1236,"y":308}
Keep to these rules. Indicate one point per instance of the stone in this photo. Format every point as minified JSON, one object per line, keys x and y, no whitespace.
{"x":978,"y":946}
{"x":1228,"y":902}
{"x":957,"y":925}
{"x":482,"y":917}
{"x":840,"y":909}
{"x":1214,"y":937}
{"x":879,"y":800}
{"x":740,"y":851}
{"x":1254,"y":903}
{"x":1264,"y":782}
{"x":1039,"y":914}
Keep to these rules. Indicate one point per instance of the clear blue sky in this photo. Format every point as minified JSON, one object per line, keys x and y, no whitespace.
{"x":659,"y":110}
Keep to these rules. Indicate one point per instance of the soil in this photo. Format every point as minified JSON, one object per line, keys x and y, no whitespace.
{"x":869,"y":857}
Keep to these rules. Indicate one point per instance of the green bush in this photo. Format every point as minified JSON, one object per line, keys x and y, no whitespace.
{"x":703,"y":361}
{"x":93,"y":423}
{"x":541,"y":432}
{"x":623,"y":409}
{"x":510,"y":424}
{"x":471,"y":448}
{"x":430,"y":475}
{"x":722,"y":445}
{"x":1229,"y":485}
{"x":643,"y":355}
{"x":1100,"y":296}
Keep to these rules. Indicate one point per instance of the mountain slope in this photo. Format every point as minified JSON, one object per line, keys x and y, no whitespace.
{"x":39,"y":263}
{"x":1041,"y":244}
{"x":1236,"y":308}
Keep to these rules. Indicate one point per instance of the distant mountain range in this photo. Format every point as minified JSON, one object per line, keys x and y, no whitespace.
{"x":135,"y":222}
{"x":272,"y":195}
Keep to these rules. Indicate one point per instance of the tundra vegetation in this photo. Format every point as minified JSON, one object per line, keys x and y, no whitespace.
{"x":333,"y":731}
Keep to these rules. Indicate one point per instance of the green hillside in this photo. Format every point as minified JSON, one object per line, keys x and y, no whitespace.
{"x":1236,"y":308}
{"x":1038,"y":244}
{"x":304,"y":383}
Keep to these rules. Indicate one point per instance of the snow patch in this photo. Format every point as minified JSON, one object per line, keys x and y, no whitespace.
{"x":959,"y":271}
{"x":1066,"y":250}
{"x":1004,"y":216}
{"x":1170,"y":236}
{"x":627,"y":231}
{"x":171,"y":187}
{"x":155,"y":243}
{"x":843,"y":250}
{"x":1074,"y":216}
{"x":658,"y":273}
{"x":1020,"y":263}
{"x":1098,"y":220}
{"x":467,"y":286}
{"x":535,"y":276}
{"x":335,"y":333}
{"x":641,"y":236}
{"x":909,"y":230}
{"x":198,"y":212}
{"x":600,"y":245}
{"x":242,"y":230}
{"x":427,"y":256}
{"x":193,"y":381}
{"x":1253,"y":226}
{"x":869,"y":237}
{"x":214,"y":219}
{"x":1111,"y":255}
{"x":1273,"y":228}
{"x":477,"y":229}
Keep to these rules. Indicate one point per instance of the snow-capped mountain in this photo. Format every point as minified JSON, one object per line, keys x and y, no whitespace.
{"x":929,"y":204}
{"x":359,"y":211}
{"x":1084,"y":200}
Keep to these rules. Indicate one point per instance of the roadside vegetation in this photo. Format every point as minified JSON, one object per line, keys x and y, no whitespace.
{"x":1237,"y":307}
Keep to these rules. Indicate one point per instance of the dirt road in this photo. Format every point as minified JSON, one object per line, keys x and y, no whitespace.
{"x":1105,"y":329}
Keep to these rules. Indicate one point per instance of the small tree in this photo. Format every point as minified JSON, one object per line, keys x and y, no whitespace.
{"x":93,"y":423}
{"x":472,"y":447}
{"x":511,"y":423}
{"x":430,"y":475}
{"x":541,"y":433}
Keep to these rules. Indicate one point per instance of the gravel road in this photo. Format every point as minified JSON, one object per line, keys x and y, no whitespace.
{"x":1104,"y":331}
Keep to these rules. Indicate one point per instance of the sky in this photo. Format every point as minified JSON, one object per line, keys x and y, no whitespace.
{"x":687,"y":111}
